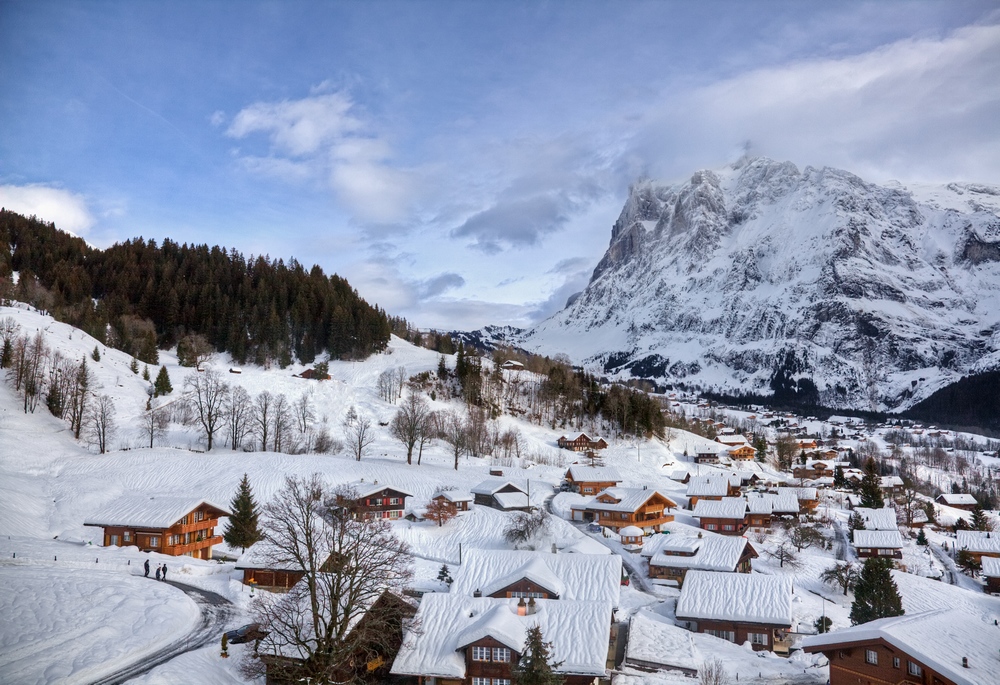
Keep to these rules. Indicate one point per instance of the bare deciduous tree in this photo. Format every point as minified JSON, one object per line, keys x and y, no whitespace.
{"x":784,"y":553}
{"x":452,"y":429}
{"x":208,"y":394}
{"x":281,"y":423}
{"x":360,"y":435}
{"x":261,"y":418}
{"x":844,"y":575}
{"x":713,"y":673}
{"x":100,"y":420}
{"x":408,"y":424}
{"x":238,"y":415}
{"x":153,"y":424}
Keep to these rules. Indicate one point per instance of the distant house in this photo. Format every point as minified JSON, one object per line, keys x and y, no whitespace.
{"x":501,"y":494}
{"x":878,"y":519}
{"x":978,"y":543}
{"x":179,"y":526}
{"x":939,"y":647}
{"x":878,"y":543}
{"x":312,"y":374}
{"x":590,"y":480}
{"x":742,"y":452}
{"x":712,"y":487}
{"x":727,"y":516}
{"x":542,"y":575}
{"x":808,"y":498}
{"x":582,"y":443}
{"x":891,"y":485}
{"x":958,"y":501}
{"x":732,"y":440}
{"x":655,"y":643}
{"x":680,"y":475}
{"x":622,"y":507}
{"x":739,"y":608}
{"x":454,"y":500}
{"x":708,"y":454}
{"x":460,"y":639}
{"x":266,"y":567}
{"x":373,"y":500}
{"x":511,"y":365}
{"x":817,"y":468}
{"x":672,"y":556}
{"x":764,"y":507}
{"x":991,"y":571}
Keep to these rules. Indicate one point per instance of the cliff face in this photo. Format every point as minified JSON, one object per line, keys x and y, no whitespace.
{"x":760,"y":277}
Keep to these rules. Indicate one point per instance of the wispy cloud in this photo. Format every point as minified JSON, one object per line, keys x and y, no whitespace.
{"x":69,"y":211}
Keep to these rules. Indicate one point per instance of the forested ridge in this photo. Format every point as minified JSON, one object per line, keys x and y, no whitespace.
{"x":139,"y":296}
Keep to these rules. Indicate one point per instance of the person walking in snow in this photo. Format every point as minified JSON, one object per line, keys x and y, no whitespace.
{"x":164,"y":572}
{"x":146,"y":566}
{"x":157,"y":572}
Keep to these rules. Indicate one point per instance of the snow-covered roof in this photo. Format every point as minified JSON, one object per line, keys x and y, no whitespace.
{"x":801,"y":493}
{"x":571,"y":576}
{"x":653,"y":639}
{"x":742,"y":597}
{"x":712,"y":552}
{"x":784,"y":502}
{"x":679,"y":474}
{"x":586,"y":545}
{"x":578,"y":631}
{"x":594,"y":474}
{"x":363,"y":488}
{"x":629,"y":499}
{"x":882,"y":539}
{"x":492,"y":485}
{"x":455,"y":495}
{"x":878,"y":519}
{"x":725,"y":508}
{"x":511,"y":500}
{"x":890,"y":481}
{"x":938,"y":639}
{"x":991,"y":567}
{"x":962,"y":498}
{"x":978,"y":541}
{"x":631,"y":532}
{"x":143,"y":511}
{"x":732,"y":440}
{"x":713,"y":485}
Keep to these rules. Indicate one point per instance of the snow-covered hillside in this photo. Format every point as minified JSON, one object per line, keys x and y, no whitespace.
{"x":879,"y":294}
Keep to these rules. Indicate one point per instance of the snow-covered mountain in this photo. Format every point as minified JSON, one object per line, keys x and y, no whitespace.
{"x":761,"y":275}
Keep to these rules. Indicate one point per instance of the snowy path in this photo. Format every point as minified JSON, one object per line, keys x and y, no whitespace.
{"x":216,"y":614}
{"x":951,"y":572}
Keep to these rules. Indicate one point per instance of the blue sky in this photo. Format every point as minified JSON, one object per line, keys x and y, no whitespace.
{"x":462,"y":163}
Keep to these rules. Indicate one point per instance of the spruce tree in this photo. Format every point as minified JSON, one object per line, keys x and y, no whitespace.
{"x":162,"y":385}
{"x":444,"y":575}
{"x":922,"y":538}
{"x":96,"y":354}
{"x":535,"y":667}
{"x":243,"y":529}
{"x":839,"y":480}
{"x":145,"y":373}
{"x":871,"y":490}
{"x":856,"y":522}
{"x":876,"y":595}
{"x":979,"y":520}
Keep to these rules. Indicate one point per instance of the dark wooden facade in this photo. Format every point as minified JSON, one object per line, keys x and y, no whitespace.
{"x":663,"y":571}
{"x":273,"y":580}
{"x":499,"y":669}
{"x":386,"y":503}
{"x":193,"y":535}
{"x":581,"y":443}
{"x":762,"y":636}
{"x":725,"y":526}
{"x":527,"y":589}
{"x":453,"y":507}
{"x":652,"y":513}
{"x":851,"y":663}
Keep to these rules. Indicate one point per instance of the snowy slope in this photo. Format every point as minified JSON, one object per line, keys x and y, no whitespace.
{"x":879,"y":294}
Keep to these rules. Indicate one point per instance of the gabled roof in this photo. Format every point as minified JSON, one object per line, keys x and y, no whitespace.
{"x":511,"y":500}
{"x":890,"y":481}
{"x":725,"y":508}
{"x":978,"y":541}
{"x":801,"y":493}
{"x":593,"y":474}
{"x":741,"y":597}
{"x":491,"y":486}
{"x":991,"y":567}
{"x":578,"y":632}
{"x":712,"y":553}
{"x":141,"y":511}
{"x":878,"y":519}
{"x":654,"y":639}
{"x":784,"y":502}
{"x":455,"y":495}
{"x":716,"y":485}
{"x":367,"y":489}
{"x":629,"y":499}
{"x":882,"y":539}
{"x":571,"y":576}
{"x":938,"y":639}
{"x":958,"y":498}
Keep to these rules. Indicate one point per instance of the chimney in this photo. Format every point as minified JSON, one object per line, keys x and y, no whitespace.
{"x":531,"y":607}
{"x":965,"y":662}
{"x":522,"y":608}
{"x":477,"y":593}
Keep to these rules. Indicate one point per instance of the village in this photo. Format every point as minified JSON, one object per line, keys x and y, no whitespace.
{"x":746,"y":546}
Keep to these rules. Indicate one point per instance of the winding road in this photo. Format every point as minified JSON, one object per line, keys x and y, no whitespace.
{"x":216,"y":614}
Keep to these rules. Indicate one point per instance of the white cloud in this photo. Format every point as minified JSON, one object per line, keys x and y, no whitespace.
{"x":217,"y":118}
{"x":67,"y":210}
{"x":298,"y":127}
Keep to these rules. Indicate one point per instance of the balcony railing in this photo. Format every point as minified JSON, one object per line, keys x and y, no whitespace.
{"x":194,"y":527}
{"x":192,"y":546}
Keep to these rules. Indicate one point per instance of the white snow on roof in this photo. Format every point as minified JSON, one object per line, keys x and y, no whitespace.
{"x":571,"y":576}
{"x":587,"y":545}
{"x":878,"y":519}
{"x":743,"y":597}
{"x":594,"y":474}
{"x":978,"y":541}
{"x":455,"y":495}
{"x":938,"y":639}
{"x":716,"y":485}
{"x":631,"y":532}
{"x":712,"y":552}
{"x":492,"y":485}
{"x":141,"y":511}
{"x":725,"y":508}
{"x":367,"y":489}
{"x":679,"y":474}
{"x":629,"y":499}
{"x":654,"y":639}
{"x":991,"y":567}
{"x":890,"y":481}
{"x":511,"y":500}
{"x":959,"y":498}
{"x":800,"y":493}
{"x":882,"y":539}
{"x":577,"y":630}
{"x":784,"y":502}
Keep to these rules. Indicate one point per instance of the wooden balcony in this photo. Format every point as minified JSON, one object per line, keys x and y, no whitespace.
{"x":194,"y":527}
{"x":180,"y":549}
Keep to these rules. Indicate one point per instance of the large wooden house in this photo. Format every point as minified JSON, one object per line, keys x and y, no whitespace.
{"x":878,"y":543}
{"x":727,"y":516}
{"x":671,"y":557}
{"x":590,"y":480}
{"x":454,"y":500}
{"x":764,"y":507}
{"x":959,"y":501}
{"x":739,"y":608}
{"x":505,"y":495}
{"x":978,"y":544}
{"x":462,"y":640}
{"x":938,"y":647}
{"x":713,"y":487}
{"x":179,"y":526}
{"x":618,"y":508}
{"x":373,"y":500}
{"x":582,"y":443}
{"x":709,"y":454}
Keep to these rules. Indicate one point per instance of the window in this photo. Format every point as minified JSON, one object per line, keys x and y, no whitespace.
{"x":480,"y":653}
{"x":758,"y":638}
{"x":114,"y":540}
{"x":914,"y":669}
{"x":501,"y":681}
{"x":154,"y":541}
{"x":501,"y":654}
{"x":724,"y":634}
{"x":895,"y":662}
{"x":588,"y":490}
{"x":624,"y":517}
{"x":527,"y":595}
{"x":127,"y":536}
{"x":886,"y":552}
{"x":871,"y":657}
{"x":393,"y":500}
{"x":710,"y":526}
{"x":729,"y":526}
{"x":480,"y":681}
{"x":394,"y":514}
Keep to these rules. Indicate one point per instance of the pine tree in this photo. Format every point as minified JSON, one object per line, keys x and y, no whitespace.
{"x":875,"y":595}
{"x":134,"y":366}
{"x":96,"y":354}
{"x":534,"y":667}
{"x":839,"y":480}
{"x":856,"y":522}
{"x":145,"y":373}
{"x":444,"y":575}
{"x":243,"y":529}
{"x":979,"y":520}
{"x":922,"y":538}
{"x":871,"y":490}
{"x":162,"y":385}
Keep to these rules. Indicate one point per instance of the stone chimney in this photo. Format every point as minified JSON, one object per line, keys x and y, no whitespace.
{"x":532,"y":607}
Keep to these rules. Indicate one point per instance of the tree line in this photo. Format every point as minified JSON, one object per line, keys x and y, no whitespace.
{"x":138,"y":296}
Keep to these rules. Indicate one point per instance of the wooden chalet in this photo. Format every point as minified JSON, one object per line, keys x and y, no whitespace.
{"x":464,"y":640}
{"x":672,"y":556}
{"x":958,"y":501}
{"x":713,"y":487}
{"x":878,"y":543}
{"x":454,"y":500}
{"x":178,"y":526}
{"x":373,"y":500}
{"x":590,"y":480}
{"x":817,"y":468}
{"x":708,"y":454}
{"x":978,"y":544}
{"x":891,"y":485}
{"x":727,"y":516}
{"x":739,"y":608}
{"x":618,"y":508}
{"x":505,"y":495}
{"x":742,"y":453}
{"x":938,"y":647}
{"x":991,"y":572}
{"x":313,"y":375}
{"x":266,"y":567}
{"x":808,"y":498}
{"x":582,"y":443}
